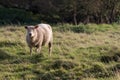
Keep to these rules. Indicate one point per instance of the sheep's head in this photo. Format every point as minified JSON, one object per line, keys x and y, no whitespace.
{"x":31,"y":30}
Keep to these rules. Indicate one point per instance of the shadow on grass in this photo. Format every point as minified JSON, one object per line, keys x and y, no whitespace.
{"x":108,"y":59}
{"x":36,"y":58}
{"x":9,"y":44}
{"x":6,"y":44}
{"x":4,"y":55}
{"x":21,"y":53}
{"x":65,"y":64}
{"x":24,"y":58}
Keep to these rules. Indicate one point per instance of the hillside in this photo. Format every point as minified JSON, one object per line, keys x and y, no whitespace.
{"x":82,"y":52}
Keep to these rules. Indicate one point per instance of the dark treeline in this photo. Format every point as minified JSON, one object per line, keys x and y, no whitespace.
{"x":69,"y":11}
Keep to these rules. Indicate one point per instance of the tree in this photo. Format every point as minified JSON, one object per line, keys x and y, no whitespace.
{"x":70,"y":11}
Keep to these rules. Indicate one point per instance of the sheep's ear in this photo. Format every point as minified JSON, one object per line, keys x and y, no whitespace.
{"x":26,"y":27}
{"x":36,"y":27}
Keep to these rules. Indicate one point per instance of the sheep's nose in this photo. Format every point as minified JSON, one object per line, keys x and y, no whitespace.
{"x":30,"y":34}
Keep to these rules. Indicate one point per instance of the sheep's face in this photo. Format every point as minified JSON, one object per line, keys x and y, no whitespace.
{"x":31,"y":30}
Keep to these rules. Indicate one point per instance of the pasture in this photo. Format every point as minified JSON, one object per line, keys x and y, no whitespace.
{"x":82,"y":52}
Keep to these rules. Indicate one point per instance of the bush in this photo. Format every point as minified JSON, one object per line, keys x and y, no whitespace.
{"x":88,"y":28}
{"x":17,"y":16}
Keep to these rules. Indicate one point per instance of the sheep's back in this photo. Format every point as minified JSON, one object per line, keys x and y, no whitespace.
{"x":47,"y":33}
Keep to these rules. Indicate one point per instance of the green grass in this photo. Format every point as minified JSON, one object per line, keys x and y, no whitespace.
{"x":82,"y":52}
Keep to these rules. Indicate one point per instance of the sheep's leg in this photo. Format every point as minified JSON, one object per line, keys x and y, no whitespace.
{"x":31,"y":51}
{"x":38,"y":49}
{"x":50,"y":47}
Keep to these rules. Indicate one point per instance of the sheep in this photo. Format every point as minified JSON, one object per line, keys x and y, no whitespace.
{"x":38,"y":36}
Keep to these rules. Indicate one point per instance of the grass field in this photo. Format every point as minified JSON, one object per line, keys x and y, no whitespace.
{"x":82,"y":52}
